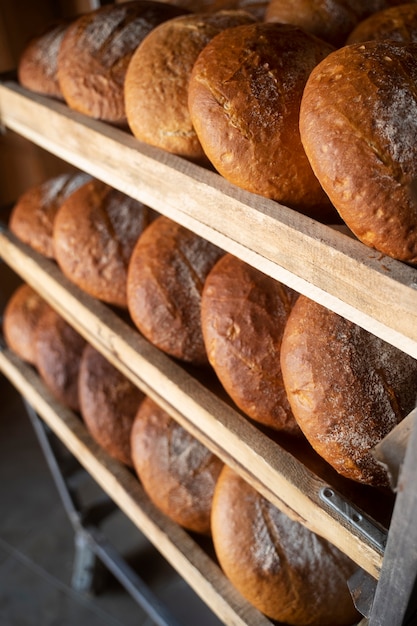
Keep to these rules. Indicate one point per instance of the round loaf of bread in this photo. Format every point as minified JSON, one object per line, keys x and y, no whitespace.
{"x":37,"y":68}
{"x":20,"y":319}
{"x":286,"y":571}
{"x":243,"y":316}
{"x":96,"y":51}
{"x":397,"y":23}
{"x":156,"y":91}
{"x":244,"y":98}
{"x":165,"y":281}
{"x":331,"y":20}
{"x":177,"y":472}
{"x":109,"y":402}
{"x":347,"y":388}
{"x":33,"y":215}
{"x":59,"y":348}
{"x":364,"y":155}
{"x":95,"y":231}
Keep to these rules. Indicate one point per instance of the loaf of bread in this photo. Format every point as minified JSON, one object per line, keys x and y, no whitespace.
{"x":33,"y":215}
{"x":96,"y":51}
{"x":397,"y":23}
{"x":20,"y":319}
{"x":177,"y":472}
{"x":244,"y":98}
{"x":59,"y":348}
{"x":364,"y":154}
{"x":331,"y":20}
{"x":166,"y":275}
{"x":95,"y":231}
{"x":37,"y":68}
{"x":347,"y":388}
{"x":286,"y":571}
{"x":156,"y":92}
{"x":108,"y":402}
{"x":243,"y":316}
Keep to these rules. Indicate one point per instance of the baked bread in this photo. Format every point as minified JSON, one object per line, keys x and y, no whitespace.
{"x":331,"y":20}
{"x":397,"y":23}
{"x":177,"y":472}
{"x":20,"y":319}
{"x":108,"y":402}
{"x":37,"y":69}
{"x":32,"y":217}
{"x":286,"y":571}
{"x":165,"y":281}
{"x":346,"y":387}
{"x":156,"y":91}
{"x":95,"y":231}
{"x":254,"y":7}
{"x":243,"y":316}
{"x":364,"y":155}
{"x":244,"y":97}
{"x":96,"y":51}
{"x":59,"y":349}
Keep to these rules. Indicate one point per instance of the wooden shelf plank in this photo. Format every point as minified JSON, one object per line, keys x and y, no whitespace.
{"x":173,"y":542}
{"x":275,"y":472}
{"x":316,"y":260}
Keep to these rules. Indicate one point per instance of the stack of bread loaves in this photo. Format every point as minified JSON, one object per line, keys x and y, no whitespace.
{"x":40,"y":336}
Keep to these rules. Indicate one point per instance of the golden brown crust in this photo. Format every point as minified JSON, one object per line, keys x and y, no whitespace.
{"x":364,"y":155}
{"x":95,"y":231}
{"x":156,"y":86}
{"x":37,"y":69}
{"x":96,"y":51}
{"x":243,"y":316}
{"x":176,"y":470}
{"x":20,"y":319}
{"x":33,"y":215}
{"x":281,"y":567}
{"x":108,"y":402}
{"x":59,"y":349}
{"x":347,"y":388}
{"x":331,"y":20}
{"x":244,"y":96}
{"x":397,"y":23}
{"x":165,"y":281}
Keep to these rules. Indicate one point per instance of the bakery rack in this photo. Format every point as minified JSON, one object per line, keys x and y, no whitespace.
{"x":325,"y":263}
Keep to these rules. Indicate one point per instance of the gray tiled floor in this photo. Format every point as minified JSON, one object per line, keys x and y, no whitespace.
{"x":37,"y":546}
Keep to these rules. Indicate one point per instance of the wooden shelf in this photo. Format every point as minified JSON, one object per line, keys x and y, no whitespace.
{"x":269,"y":467}
{"x":174,"y":543}
{"x":316,"y":260}
{"x":325,"y":263}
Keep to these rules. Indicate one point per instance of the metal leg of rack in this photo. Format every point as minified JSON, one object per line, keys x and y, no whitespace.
{"x":93,"y":553}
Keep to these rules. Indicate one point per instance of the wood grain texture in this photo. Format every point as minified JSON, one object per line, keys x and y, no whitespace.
{"x":316,"y":260}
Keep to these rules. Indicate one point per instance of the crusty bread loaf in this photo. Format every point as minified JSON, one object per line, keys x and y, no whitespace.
{"x":108,"y":402}
{"x":96,"y":51}
{"x":243,"y":316}
{"x":156,"y":92}
{"x":20,"y":319}
{"x":95,"y":231}
{"x":331,"y":20}
{"x":33,"y":215}
{"x":165,"y":281}
{"x":364,"y":155}
{"x":244,"y":97}
{"x":37,"y":68}
{"x":177,"y":471}
{"x":59,"y":348}
{"x":282,"y":568}
{"x":397,"y":23}
{"x":347,"y":388}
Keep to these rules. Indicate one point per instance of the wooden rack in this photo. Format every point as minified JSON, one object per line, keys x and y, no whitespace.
{"x":321,"y":262}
